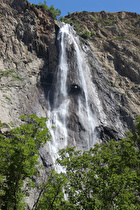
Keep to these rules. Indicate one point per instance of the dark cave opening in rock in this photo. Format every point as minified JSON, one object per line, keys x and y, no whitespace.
{"x":74,"y":89}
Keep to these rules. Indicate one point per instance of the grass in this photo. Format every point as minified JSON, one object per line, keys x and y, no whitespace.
{"x":109,"y":23}
{"x":122,"y":38}
{"x":7,"y":97}
{"x":6,"y":88}
{"x":12,"y":73}
{"x":6,"y":73}
{"x":105,"y":22}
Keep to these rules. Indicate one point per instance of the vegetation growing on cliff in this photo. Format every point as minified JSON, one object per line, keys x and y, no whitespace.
{"x":55,"y":12}
{"x":104,"y":24}
{"x":10,"y":73}
{"x":105,"y":177}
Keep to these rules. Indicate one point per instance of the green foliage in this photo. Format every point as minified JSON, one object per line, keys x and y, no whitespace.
{"x":44,"y":5}
{"x":7,"y":97}
{"x":77,"y":27}
{"x":6,"y":73}
{"x":85,"y":34}
{"x":19,"y":158}
{"x":105,"y":177}
{"x":105,"y":22}
{"x":33,"y":5}
{"x":92,"y":34}
{"x":109,"y":22}
{"x":121,"y":38}
{"x":53,"y":196}
{"x":61,"y":19}
{"x":75,"y":23}
{"x":55,"y":12}
{"x":12,"y":73}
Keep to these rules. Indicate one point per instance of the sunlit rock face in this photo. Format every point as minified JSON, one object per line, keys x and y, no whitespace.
{"x":115,"y":42}
{"x":27,"y":43}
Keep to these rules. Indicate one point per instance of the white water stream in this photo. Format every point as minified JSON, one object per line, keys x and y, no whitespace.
{"x":58,"y":114}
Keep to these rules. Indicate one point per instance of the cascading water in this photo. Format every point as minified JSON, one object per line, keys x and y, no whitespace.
{"x":71,"y":95}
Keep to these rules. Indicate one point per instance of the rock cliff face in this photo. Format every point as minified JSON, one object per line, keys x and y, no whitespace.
{"x":27,"y":43}
{"x":115,"y":40}
{"x":30,"y":55}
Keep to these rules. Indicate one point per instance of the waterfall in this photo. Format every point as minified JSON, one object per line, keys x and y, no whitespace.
{"x":70,"y":97}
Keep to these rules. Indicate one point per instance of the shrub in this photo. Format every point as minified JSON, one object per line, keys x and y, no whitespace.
{"x":55,"y":12}
{"x":85,"y":34}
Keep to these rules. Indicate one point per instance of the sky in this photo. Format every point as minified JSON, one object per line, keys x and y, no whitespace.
{"x":92,"y":5}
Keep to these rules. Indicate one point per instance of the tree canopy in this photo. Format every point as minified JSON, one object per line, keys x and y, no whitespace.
{"x":19,"y":153}
{"x":107,"y":177}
